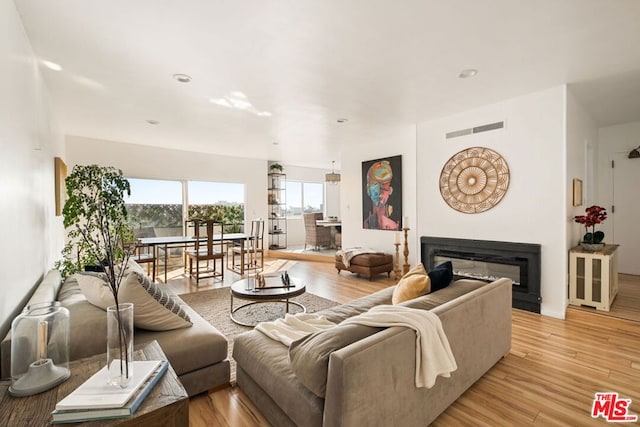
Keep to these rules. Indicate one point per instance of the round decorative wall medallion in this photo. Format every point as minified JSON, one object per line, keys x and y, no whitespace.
{"x":474,"y":180}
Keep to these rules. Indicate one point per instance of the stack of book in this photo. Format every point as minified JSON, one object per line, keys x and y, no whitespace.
{"x":95,"y":399}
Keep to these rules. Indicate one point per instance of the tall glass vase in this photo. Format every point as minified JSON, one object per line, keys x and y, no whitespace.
{"x":120,"y":344}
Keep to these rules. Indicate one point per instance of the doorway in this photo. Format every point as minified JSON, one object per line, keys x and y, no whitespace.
{"x":626,"y":233}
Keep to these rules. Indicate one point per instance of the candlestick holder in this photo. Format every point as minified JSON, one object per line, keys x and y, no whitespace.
{"x":405,"y":266}
{"x":396,"y":264}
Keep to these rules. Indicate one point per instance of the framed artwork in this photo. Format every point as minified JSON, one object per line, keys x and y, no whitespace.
{"x":577,"y":192}
{"x":382,"y":194}
{"x":60,"y":170}
{"x":474,"y":180}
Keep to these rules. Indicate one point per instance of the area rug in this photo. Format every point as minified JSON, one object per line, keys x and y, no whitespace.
{"x":214,"y":306}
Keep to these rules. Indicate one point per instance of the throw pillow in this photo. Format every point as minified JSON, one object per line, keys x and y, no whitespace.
{"x":441,"y":276}
{"x":412,"y":285}
{"x":154,"y":308}
{"x":132,"y":265}
{"x":309,"y":356}
{"x":95,"y":288}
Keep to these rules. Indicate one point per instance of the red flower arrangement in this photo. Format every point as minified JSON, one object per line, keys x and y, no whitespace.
{"x":595,"y":215}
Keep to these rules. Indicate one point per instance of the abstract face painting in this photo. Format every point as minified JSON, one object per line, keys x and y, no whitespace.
{"x":382,"y":193}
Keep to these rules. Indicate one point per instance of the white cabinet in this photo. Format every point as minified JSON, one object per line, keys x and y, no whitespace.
{"x":593,"y":277}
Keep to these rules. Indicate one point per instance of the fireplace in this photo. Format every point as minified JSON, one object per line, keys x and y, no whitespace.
{"x":490,"y":260}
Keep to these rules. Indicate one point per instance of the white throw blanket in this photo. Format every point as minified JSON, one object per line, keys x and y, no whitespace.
{"x":433,"y":353}
{"x":348,"y":253}
{"x":294,"y":326}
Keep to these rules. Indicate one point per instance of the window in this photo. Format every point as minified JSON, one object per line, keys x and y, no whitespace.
{"x":155,"y":207}
{"x":304,"y":197}
{"x":155,"y":204}
{"x":221,"y":201}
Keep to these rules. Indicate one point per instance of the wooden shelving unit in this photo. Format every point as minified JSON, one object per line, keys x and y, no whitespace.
{"x":277,"y":200}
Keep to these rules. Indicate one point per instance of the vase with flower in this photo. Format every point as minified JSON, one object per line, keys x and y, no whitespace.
{"x":592,"y":240}
{"x":99,"y":239}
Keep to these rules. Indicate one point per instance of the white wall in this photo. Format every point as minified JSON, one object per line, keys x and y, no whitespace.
{"x":32,"y":235}
{"x":582,"y":143}
{"x":396,"y":141}
{"x":534,"y":207}
{"x":138,"y":161}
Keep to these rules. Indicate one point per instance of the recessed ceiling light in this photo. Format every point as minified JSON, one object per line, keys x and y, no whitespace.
{"x":152,"y":122}
{"x":343,"y":120}
{"x":275,"y":143}
{"x":182,"y":78}
{"x":465,"y":74}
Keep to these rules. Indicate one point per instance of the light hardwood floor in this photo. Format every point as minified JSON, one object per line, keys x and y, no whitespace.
{"x":549,"y":378}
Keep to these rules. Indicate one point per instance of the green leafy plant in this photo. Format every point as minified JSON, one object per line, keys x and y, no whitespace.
{"x":96,"y":218}
{"x":595,"y":215}
{"x":276,"y":167}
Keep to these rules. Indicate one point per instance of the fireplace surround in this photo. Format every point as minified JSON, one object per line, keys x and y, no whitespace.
{"x":489,"y":260}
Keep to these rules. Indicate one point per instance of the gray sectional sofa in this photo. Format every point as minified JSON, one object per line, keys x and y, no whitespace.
{"x":198,"y":353}
{"x":354,"y":375}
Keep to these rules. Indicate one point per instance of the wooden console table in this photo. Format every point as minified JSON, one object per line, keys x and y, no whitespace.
{"x":593,"y":277}
{"x":166,"y":405}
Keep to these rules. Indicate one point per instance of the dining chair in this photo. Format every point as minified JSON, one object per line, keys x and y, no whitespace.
{"x":315,"y":234}
{"x":207,"y":248}
{"x":145,"y":254}
{"x":249,"y":250}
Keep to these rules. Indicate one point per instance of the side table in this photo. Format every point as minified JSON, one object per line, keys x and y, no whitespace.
{"x":166,"y":405}
{"x":593,"y":277}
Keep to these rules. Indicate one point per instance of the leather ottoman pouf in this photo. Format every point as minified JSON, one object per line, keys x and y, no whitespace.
{"x":367,"y":264}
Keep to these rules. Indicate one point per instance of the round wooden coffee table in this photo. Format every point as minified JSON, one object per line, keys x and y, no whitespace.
{"x":275,"y":293}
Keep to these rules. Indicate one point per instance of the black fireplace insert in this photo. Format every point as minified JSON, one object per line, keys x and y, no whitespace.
{"x":490,"y":260}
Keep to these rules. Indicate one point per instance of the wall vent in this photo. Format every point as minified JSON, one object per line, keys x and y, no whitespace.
{"x":477,"y":129}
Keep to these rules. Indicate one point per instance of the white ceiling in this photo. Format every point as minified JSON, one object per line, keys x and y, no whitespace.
{"x":380,"y":63}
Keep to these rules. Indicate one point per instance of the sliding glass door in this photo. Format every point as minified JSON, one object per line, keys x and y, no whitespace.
{"x":221,"y":201}
{"x":157,"y":207}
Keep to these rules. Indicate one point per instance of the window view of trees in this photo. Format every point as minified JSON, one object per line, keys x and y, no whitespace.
{"x":156,"y":206}
{"x":220,"y":201}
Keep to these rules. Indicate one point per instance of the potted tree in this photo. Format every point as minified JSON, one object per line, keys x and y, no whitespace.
{"x":96,"y":217}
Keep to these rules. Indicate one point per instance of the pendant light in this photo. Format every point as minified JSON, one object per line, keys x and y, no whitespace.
{"x":333,"y":177}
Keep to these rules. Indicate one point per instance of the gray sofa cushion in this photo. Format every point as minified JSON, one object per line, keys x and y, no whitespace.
{"x":48,"y":288}
{"x":310,"y":355}
{"x":340,"y":312}
{"x":434,"y":299}
{"x":187,"y":349}
{"x":87,"y":323}
{"x":266,"y":362}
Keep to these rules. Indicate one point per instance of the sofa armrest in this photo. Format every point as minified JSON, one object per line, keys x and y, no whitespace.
{"x":372,"y":381}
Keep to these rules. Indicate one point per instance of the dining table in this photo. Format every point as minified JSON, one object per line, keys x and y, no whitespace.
{"x":166,"y":242}
{"x":336,"y":229}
